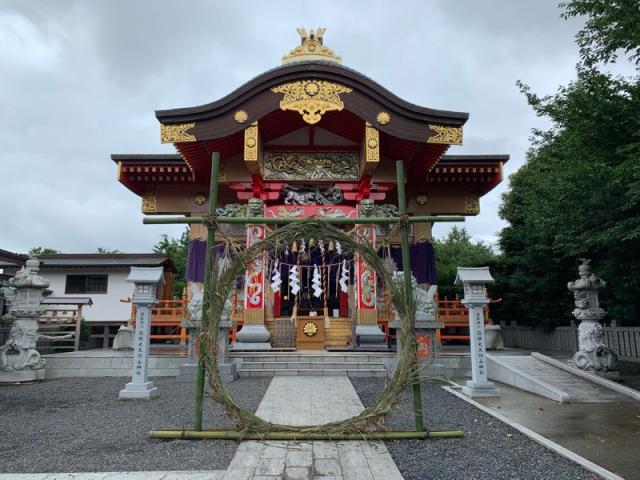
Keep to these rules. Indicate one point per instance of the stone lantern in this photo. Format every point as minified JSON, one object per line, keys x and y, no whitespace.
{"x":19,"y":359}
{"x":146,"y":282}
{"x":592,"y":353}
{"x":473,"y":281}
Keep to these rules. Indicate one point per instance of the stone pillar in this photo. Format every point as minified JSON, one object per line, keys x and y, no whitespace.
{"x":368,"y":333}
{"x":592,"y":353}
{"x":146,"y":282}
{"x":254,"y":335}
{"x":425,"y":321}
{"x":475,"y":298}
{"x":19,"y":359}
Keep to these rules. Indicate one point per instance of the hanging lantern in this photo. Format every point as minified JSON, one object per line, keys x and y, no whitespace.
{"x":294,"y":247}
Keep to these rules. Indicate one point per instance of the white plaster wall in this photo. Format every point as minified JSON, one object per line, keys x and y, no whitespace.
{"x":106,"y":306}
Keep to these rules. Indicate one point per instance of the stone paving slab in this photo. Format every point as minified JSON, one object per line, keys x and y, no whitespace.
{"x":303,"y":401}
{"x":160,"y":475}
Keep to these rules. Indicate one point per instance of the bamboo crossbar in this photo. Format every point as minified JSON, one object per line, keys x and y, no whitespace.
{"x":287,"y":220}
{"x":308,"y":436}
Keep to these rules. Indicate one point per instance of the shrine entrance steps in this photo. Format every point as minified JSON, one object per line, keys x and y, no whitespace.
{"x":314,"y":363}
{"x":556,"y":380}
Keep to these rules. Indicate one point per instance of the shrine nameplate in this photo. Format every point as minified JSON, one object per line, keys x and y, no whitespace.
{"x":310,"y":333}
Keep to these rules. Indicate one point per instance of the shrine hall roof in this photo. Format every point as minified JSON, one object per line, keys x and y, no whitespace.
{"x":369,"y":92}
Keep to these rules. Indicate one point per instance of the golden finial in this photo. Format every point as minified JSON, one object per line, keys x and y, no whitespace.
{"x":311,"y":48}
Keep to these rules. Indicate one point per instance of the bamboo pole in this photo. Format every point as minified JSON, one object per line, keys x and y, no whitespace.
{"x":287,"y":220}
{"x":308,"y":436}
{"x":209,"y":282}
{"x":408,"y":291}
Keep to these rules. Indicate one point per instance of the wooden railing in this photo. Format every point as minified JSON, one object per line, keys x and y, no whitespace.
{"x":455,"y":315}
{"x":166,"y":320}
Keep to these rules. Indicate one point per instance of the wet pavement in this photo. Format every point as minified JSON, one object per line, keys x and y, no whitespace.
{"x":608,"y":434}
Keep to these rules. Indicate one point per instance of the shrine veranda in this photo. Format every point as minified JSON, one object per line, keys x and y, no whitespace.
{"x":311,"y":139}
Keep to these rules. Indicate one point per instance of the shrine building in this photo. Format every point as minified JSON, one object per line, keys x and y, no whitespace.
{"x":310,"y":137}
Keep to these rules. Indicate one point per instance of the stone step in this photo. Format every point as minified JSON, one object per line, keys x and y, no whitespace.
{"x":315,"y":358}
{"x":311,"y":365}
{"x":336,"y":372}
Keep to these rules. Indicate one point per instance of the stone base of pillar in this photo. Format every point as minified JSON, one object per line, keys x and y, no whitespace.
{"x":187,"y":373}
{"x":228,"y":372}
{"x":22,"y":376}
{"x":370,"y":336}
{"x":252,"y":337}
{"x":124,"y":338}
{"x":488,"y":389}
{"x":138,"y":391}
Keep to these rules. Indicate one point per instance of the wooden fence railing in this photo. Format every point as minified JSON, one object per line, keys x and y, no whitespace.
{"x":625,"y":341}
{"x":166,"y":320}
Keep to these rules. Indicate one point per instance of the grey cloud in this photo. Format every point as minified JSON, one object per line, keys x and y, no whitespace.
{"x":81,"y":81}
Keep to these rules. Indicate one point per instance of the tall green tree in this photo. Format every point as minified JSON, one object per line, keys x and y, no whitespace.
{"x":42,"y":250}
{"x":106,"y":250}
{"x":578,"y":195}
{"x":455,"y":250}
{"x":611,"y":26}
{"x":176,"y":249}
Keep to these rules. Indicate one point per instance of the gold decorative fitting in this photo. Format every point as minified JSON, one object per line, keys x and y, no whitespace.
{"x":149,"y":202}
{"x":310,"y":166}
{"x":372,"y":140}
{"x":176,"y":133}
{"x":311,"y":48}
{"x":199,"y":198}
{"x":240,"y":116}
{"x":251,"y":143}
{"x":422,"y":199}
{"x":383,"y":118}
{"x":311,"y":98}
{"x":446,"y":135}
{"x":310,"y":329}
{"x":471,"y":202}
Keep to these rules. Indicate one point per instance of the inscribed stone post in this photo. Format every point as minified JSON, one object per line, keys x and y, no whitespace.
{"x":146,"y":281}
{"x":475,"y":298}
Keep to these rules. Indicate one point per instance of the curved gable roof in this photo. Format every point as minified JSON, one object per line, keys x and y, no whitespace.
{"x":367,"y":99}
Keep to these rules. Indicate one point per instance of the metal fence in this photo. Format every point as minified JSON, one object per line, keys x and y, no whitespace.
{"x":625,"y":341}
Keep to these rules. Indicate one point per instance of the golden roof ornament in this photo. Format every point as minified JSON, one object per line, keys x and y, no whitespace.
{"x":311,"y":48}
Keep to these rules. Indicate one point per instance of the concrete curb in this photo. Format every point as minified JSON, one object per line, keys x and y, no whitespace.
{"x":505,"y":373}
{"x":559,"y":449}
{"x":592,"y":377}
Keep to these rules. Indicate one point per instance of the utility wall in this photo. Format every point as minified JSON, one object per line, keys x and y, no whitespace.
{"x":106,"y":306}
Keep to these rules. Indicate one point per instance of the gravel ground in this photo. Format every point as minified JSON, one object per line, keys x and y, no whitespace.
{"x":488,"y":450}
{"x":77,"y":424}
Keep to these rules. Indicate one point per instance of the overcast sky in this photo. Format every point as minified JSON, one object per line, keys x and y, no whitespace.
{"x":80,"y":80}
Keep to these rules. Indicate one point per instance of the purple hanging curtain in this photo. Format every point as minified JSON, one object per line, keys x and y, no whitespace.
{"x":196,"y":260}
{"x":423,"y":261}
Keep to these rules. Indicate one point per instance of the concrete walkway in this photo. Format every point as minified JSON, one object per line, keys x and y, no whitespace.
{"x":311,"y":400}
{"x":607,"y":434}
